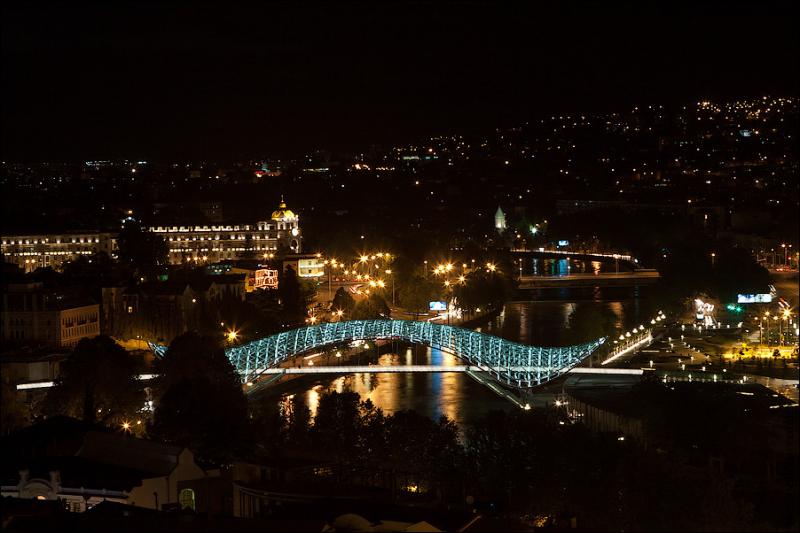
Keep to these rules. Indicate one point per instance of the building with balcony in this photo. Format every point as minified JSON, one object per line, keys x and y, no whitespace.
{"x":34,"y":315}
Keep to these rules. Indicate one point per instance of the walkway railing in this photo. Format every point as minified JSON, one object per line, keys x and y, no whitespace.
{"x":516,"y":365}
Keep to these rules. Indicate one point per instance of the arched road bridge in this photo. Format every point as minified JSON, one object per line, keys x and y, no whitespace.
{"x":516,"y":365}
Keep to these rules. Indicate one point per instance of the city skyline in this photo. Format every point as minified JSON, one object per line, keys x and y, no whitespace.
{"x":399,"y":267}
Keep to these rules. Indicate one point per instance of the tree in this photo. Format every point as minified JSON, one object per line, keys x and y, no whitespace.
{"x":373,"y":306}
{"x":191,"y":356}
{"x":338,"y":420}
{"x":141,"y":250}
{"x":422,"y":446}
{"x":482,"y":289}
{"x":349,"y":427}
{"x":736,"y":271}
{"x":588,"y":322}
{"x":98,"y":382}
{"x":342,"y":300}
{"x":417,"y":293}
{"x":201,"y":404}
{"x":92,"y":273}
{"x":249,"y":251}
{"x":294,"y":306}
{"x":298,"y":421}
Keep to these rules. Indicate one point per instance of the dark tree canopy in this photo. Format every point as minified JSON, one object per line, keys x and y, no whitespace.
{"x":688,"y":268}
{"x":141,"y":250}
{"x":587,"y":322}
{"x":191,"y":356}
{"x":291,"y":296}
{"x":483,"y":288}
{"x":98,"y":382}
{"x":209,"y":419}
{"x":342,"y":300}
{"x":417,"y":292}
{"x":201,"y":404}
{"x":338,"y":421}
{"x":374,"y":306}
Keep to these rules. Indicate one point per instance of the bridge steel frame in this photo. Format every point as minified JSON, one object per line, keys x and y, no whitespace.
{"x":516,"y":365}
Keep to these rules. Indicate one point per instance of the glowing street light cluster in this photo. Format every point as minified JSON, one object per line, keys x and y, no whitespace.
{"x":633,"y":339}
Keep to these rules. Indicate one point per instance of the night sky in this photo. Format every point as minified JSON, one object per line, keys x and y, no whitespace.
{"x":165,"y":81}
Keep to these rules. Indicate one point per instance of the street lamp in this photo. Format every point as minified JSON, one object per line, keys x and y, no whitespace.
{"x":787,"y":315}
{"x":331,"y":265}
{"x":389,"y":273}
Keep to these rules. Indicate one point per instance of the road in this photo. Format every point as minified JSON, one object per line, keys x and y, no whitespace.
{"x":788,"y":286}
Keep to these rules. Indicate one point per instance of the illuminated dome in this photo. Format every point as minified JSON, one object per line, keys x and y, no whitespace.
{"x":282,"y":212}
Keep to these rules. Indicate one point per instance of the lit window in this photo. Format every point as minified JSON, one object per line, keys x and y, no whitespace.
{"x":186,"y":499}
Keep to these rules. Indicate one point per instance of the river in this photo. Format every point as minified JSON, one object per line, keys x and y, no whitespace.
{"x":542,"y":318}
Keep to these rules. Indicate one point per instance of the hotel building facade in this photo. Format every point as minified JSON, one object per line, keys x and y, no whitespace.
{"x":205,"y":244}
{"x":32,"y":251}
{"x":211,"y":244}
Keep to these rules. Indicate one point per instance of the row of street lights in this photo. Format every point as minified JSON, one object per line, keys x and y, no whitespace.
{"x":631,"y":338}
{"x":785,"y":315}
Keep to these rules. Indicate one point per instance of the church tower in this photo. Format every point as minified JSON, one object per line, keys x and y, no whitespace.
{"x":500,"y":221}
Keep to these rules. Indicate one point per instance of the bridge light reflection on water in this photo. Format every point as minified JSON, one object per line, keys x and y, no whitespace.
{"x":432,"y":394}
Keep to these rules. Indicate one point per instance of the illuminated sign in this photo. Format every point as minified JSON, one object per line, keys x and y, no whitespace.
{"x":704,"y":312}
{"x":563,"y":243}
{"x":437,"y":306}
{"x":266,"y":279}
{"x":745,"y":133}
{"x":753,"y":298}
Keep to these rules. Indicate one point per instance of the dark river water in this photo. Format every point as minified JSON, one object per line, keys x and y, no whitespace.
{"x":533,"y":266}
{"x":541,"y":318}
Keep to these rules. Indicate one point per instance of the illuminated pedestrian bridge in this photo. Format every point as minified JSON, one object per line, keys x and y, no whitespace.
{"x":517,"y":365}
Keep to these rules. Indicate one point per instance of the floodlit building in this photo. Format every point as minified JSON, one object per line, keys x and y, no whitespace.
{"x":305,"y":265}
{"x":197,"y":243}
{"x":66,"y":460}
{"x":30,"y":252}
{"x":210,"y":244}
{"x":500,"y":221}
{"x":34,"y":315}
